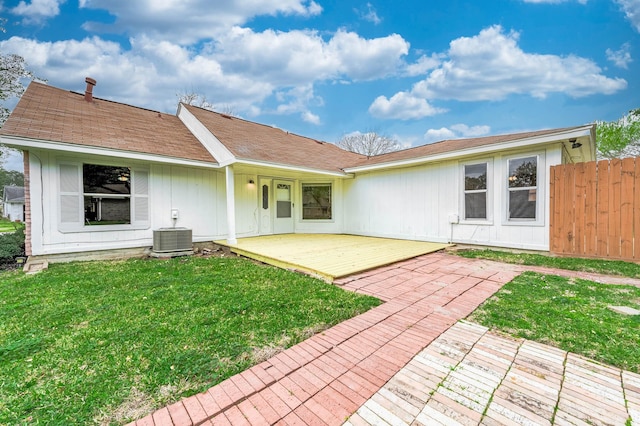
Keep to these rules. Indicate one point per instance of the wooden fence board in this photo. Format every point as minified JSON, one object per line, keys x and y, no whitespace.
{"x":595,"y":209}
{"x":590,"y":211}
{"x":626,"y":208}
{"x":615,"y":178}
{"x":602,"y":209}
{"x":579,"y":217}
{"x":555,"y":224}
{"x":568,"y":210}
{"x":636,"y":212}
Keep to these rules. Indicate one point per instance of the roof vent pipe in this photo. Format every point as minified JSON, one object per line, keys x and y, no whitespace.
{"x":88,"y":93}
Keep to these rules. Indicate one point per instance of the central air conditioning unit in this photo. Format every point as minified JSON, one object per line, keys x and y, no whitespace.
{"x":167,"y":240}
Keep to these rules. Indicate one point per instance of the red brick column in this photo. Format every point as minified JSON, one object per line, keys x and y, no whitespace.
{"x":27,"y":205}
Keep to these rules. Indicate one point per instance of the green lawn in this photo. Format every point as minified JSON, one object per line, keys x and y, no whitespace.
{"x":612,"y":267}
{"x":570,"y":314}
{"x":8,"y":226}
{"x":107,"y":342}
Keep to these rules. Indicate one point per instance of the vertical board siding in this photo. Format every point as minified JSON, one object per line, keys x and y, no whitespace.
{"x":595,"y":209}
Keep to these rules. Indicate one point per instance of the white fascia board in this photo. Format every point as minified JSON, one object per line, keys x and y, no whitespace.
{"x":468,"y":152}
{"x":211,"y":143}
{"x":291,"y":168}
{"x":89,"y":150}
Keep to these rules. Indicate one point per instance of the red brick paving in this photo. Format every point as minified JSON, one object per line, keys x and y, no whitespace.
{"x":379,"y":367}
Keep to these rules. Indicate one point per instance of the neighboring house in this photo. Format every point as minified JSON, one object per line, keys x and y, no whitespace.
{"x":103,"y":175}
{"x":13,"y":203}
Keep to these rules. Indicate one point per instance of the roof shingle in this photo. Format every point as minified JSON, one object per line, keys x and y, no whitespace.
{"x":453,"y":145}
{"x":50,"y":114}
{"x":258,"y":142}
{"x":14,"y":194}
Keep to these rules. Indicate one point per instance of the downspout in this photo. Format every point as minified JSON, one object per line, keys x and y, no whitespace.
{"x":231,"y":206}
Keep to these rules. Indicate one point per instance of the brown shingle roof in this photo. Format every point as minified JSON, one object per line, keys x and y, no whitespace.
{"x":252,"y":141}
{"x":51,"y":114}
{"x":448,"y":146}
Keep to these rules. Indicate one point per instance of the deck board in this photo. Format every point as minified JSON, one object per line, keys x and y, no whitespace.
{"x":329,"y":256}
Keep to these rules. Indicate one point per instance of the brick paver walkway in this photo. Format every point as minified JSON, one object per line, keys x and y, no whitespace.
{"x":469,"y":376}
{"x":372,"y":365}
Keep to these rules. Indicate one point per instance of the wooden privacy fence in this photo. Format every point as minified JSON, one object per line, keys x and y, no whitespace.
{"x":595,"y":209}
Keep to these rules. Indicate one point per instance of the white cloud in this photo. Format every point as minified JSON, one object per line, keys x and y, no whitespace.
{"x":621,"y":57}
{"x":241,"y":69}
{"x":190,"y":20}
{"x":297,"y":100}
{"x":367,"y":59}
{"x":457,"y":131}
{"x":309,"y":117}
{"x":369,"y":14}
{"x":402,"y":106}
{"x":135,"y":76}
{"x":299,"y":57}
{"x":491,"y":66}
{"x":423,"y":65}
{"x":435,"y":135}
{"x":37,"y":10}
{"x":631,"y":9}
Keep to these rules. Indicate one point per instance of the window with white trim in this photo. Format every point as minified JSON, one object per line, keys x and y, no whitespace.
{"x":475,"y":191}
{"x":107,"y":194}
{"x":103,"y":196}
{"x":522,"y":188}
{"x":316,"y":201}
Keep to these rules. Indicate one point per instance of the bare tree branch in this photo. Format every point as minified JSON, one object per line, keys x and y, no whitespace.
{"x":369,"y":144}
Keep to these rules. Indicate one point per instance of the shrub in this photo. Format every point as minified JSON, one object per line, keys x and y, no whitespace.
{"x":11,"y":246}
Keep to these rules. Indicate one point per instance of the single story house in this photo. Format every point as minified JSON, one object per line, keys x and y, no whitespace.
{"x":103,"y":175}
{"x":13,"y":203}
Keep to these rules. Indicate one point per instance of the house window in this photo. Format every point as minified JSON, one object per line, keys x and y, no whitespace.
{"x":316,"y":201}
{"x":115,"y":197}
{"x":107,"y":195}
{"x":523,"y":188}
{"x":475,"y":191}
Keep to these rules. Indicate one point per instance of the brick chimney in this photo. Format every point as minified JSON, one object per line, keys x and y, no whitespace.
{"x":88,"y":94}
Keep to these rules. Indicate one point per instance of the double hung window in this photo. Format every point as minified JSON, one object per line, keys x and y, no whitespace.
{"x":523,"y":188}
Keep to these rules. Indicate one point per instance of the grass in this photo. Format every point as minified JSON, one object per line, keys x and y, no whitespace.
{"x":610,"y":267}
{"x":108,"y":342}
{"x":572,"y":315}
{"x":8,"y":226}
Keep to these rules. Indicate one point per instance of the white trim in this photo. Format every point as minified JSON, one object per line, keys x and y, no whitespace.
{"x":208,"y":140}
{"x":231,"y":205}
{"x":304,"y":183}
{"x":108,"y":152}
{"x":281,"y":166}
{"x":80,"y":226}
{"x":514,"y":144}
{"x":489,"y":220}
{"x":541,"y":189}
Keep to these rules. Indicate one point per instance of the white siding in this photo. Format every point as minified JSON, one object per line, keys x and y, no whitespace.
{"x":411,"y":203}
{"x":14,"y":211}
{"x":198,"y":194}
{"x":416,"y":203}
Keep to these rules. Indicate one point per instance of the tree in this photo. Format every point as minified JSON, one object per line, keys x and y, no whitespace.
{"x":619,"y":138}
{"x":195,"y":99}
{"x":13,"y":69}
{"x":200,"y":100}
{"x":10,"y":178}
{"x":369,"y":144}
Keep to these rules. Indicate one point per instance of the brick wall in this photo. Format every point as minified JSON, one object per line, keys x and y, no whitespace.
{"x":27,"y":204}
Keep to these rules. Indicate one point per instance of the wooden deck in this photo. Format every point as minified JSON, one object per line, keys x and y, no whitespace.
{"x":329,"y":256}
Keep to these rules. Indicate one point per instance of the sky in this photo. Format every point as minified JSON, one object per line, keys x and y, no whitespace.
{"x":418,"y":71}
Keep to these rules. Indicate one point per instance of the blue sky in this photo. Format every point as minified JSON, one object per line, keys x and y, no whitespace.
{"x":418,"y":71}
